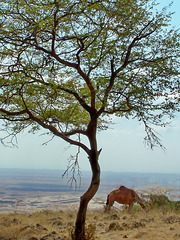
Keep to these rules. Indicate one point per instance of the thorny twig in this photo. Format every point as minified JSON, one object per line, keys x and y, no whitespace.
{"x":10,"y":138}
{"x":74,"y":168}
{"x":49,"y":140}
{"x":151,"y":138}
{"x":13,"y":142}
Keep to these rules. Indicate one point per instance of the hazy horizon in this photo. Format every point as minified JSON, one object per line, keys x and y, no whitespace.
{"x":87,"y":171}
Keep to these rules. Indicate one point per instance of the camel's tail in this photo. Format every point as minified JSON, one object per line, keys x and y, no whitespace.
{"x":107,"y":207}
{"x":107,"y":202}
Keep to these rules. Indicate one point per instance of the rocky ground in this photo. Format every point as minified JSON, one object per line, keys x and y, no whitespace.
{"x":156,"y":224}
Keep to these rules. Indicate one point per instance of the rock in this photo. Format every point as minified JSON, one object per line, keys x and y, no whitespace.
{"x":147,"y":220}
{"x":16,"y":221}
{"x":137,"y":225}
{"x":70,"y":223}
{"x":52,"y":234}
{"x":25,"y":228}
{"x":38,"y":226}
{"x":55,"y":219}
{"x":100,"y":225}
{"x":57,"y":223}
{"x":124,"y":224}
{"x":113,"y":217}
{"x":115,"y":226}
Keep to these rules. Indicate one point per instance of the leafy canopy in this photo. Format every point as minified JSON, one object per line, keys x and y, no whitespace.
{"x":66,"y":63}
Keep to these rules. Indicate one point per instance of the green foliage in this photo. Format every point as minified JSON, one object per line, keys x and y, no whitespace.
{"x":137,"y":208}
{"x":175,"y":205}
{"x":158,"y":200}
{"x":162,"y":201}
{"x":65,"y":64}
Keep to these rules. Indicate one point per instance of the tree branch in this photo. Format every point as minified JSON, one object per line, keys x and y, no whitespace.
{"x":126,"y":62}
{"x":46,"y":126}
{"x":13,"y":113}
{"x":118,"y":110}
{"x":74,"y":132}
{"x":137,"y":38}
{"x":57,"y":133}
{"x":108,"y":89}
{"x":73,"y":166}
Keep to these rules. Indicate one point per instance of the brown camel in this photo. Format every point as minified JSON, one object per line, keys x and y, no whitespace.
{"x":123,"y":195}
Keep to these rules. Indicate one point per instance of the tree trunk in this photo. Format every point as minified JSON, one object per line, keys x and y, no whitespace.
{"x":87,"y":196}
{"x":95,"y":181}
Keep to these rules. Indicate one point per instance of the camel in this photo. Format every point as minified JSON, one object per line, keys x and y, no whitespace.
{"x":124,"y":195}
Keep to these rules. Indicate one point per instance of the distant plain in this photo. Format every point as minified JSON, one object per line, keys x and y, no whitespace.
{"x":24,"y":190}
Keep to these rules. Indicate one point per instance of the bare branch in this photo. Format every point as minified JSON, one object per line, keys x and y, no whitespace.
{"x":45,"y":143}
{"x":13,"y":138}
{"x":152,"y":140}
{"x":74,"y":168}
{"x":10,"y":139}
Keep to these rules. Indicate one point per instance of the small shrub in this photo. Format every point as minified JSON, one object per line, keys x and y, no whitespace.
{"x":136,"y":208}
{"x":175,"y":206}
{"x":89,"y":233}
{"x":158,"y":200}
{"x":161,"y":201}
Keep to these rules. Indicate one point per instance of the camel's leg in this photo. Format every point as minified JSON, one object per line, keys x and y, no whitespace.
{"x":107,"y":208}
{"x":130,"y":207}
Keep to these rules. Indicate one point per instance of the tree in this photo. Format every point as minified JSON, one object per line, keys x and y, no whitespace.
{"x":68,"y":65}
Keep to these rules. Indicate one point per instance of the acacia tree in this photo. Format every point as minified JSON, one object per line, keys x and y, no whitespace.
{"x":67,"y":65}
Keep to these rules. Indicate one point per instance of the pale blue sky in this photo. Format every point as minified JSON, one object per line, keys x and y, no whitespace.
{"x":123,"y":147}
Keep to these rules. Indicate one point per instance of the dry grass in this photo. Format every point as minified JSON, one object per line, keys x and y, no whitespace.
{"x":157,"y":224}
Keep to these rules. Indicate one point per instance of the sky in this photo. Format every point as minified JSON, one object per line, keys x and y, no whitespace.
{"x":123,"y":148}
